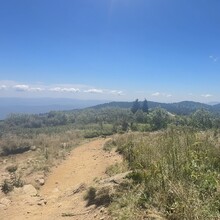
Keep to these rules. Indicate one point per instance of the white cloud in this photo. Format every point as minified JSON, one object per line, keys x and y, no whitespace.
{"x":3,"y":87}
{"x":56,"y":89}
{"x":156,"y":94}
{"x":21,"y":88}
{"x":36,"y":89}
{"x":27,"y":88}
{"x":33,"y":89}
{"x":94,"y":91}
{"x":70,"y":90}
{"x":60,"y":89}
{"x":207,"y":95}
{"x":116,"y":92}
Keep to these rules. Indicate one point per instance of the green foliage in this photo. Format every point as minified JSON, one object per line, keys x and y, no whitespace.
{"x":139,"y":116}
{"x":14,"y":145}
{"x":8,"y":150}
{"x":145,"y":106}
{"x":9,"y":184}
{"x":135,"y":106}
{"x":6,"y":186}
{"x":202,"y":119}
{"x":17,"y":181}
{"x":91,"y":134}
{"x":120,"y":119}
{"x":159,"y":119}
{"x":175,"y":172}
{"x":109,"y":145}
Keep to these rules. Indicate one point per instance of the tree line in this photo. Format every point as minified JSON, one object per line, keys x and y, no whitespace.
{"x":138,"y":118}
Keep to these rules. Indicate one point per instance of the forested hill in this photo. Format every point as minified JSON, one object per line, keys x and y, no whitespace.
{"x":182,"y":108}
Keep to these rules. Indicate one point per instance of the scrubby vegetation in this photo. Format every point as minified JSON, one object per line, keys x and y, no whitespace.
{"x":14,"y":180}
{"x":175,"y":173}
{"x":43,"y":147}
{"x":174,"y":159}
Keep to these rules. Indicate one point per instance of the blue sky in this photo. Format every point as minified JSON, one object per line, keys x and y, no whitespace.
{"x":162,"y":50}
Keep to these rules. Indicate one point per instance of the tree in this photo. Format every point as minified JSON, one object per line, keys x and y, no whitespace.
{"x":159,"y":119}
{"x":202,"y":119}
{"x":145,"y":106}
{"x":124,"y":125}
{"x":135,"y":106}
{"x":139,"y":116}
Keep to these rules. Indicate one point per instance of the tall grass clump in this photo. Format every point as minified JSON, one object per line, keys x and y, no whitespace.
{"x":176,"y":172}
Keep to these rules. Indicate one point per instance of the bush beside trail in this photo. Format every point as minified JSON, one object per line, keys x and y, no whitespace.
{"x":175,"y":173}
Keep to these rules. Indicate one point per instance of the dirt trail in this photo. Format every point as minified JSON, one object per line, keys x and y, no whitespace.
{"x":85,"y":164}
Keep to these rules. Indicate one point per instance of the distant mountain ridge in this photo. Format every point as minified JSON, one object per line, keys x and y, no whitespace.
{"x":44,"y":105}
{"x":180,"y":108}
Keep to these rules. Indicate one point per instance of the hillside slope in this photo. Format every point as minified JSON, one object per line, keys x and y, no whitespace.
{"x":181,"y":108}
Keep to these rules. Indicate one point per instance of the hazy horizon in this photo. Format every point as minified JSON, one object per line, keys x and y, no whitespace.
{"x":66,"y":99}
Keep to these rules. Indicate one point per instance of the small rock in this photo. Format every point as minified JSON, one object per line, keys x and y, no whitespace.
{"x":40,"y":181}
{"x":29,"y":190}
{"x":33,"y":148}
{"x":64,"y":145}
{"x":102,"y":209}
{"x":56,"y":190}
{"x":117,"y":179}
{"x":16,"y":191}
{"x":29,"y":161}
{"x":42,"y":202}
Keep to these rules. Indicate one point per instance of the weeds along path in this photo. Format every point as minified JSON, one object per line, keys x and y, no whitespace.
{"x":65,"y":187}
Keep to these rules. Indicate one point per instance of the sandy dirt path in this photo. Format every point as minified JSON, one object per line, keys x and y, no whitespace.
{"x":84,"y":164}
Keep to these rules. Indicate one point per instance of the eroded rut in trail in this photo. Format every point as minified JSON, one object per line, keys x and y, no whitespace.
{"x":62,"y":195}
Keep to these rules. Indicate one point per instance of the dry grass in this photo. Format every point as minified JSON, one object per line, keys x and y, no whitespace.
{"x":175,"y":172}
{"x":48,"y":149}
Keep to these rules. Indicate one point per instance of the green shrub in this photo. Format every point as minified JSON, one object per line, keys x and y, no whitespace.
{"x":92,"y":134}
{"x":6,"y":186}
{"x":17,"y":181}
{"x":109,"y":145}
{"x":175,"y":171}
